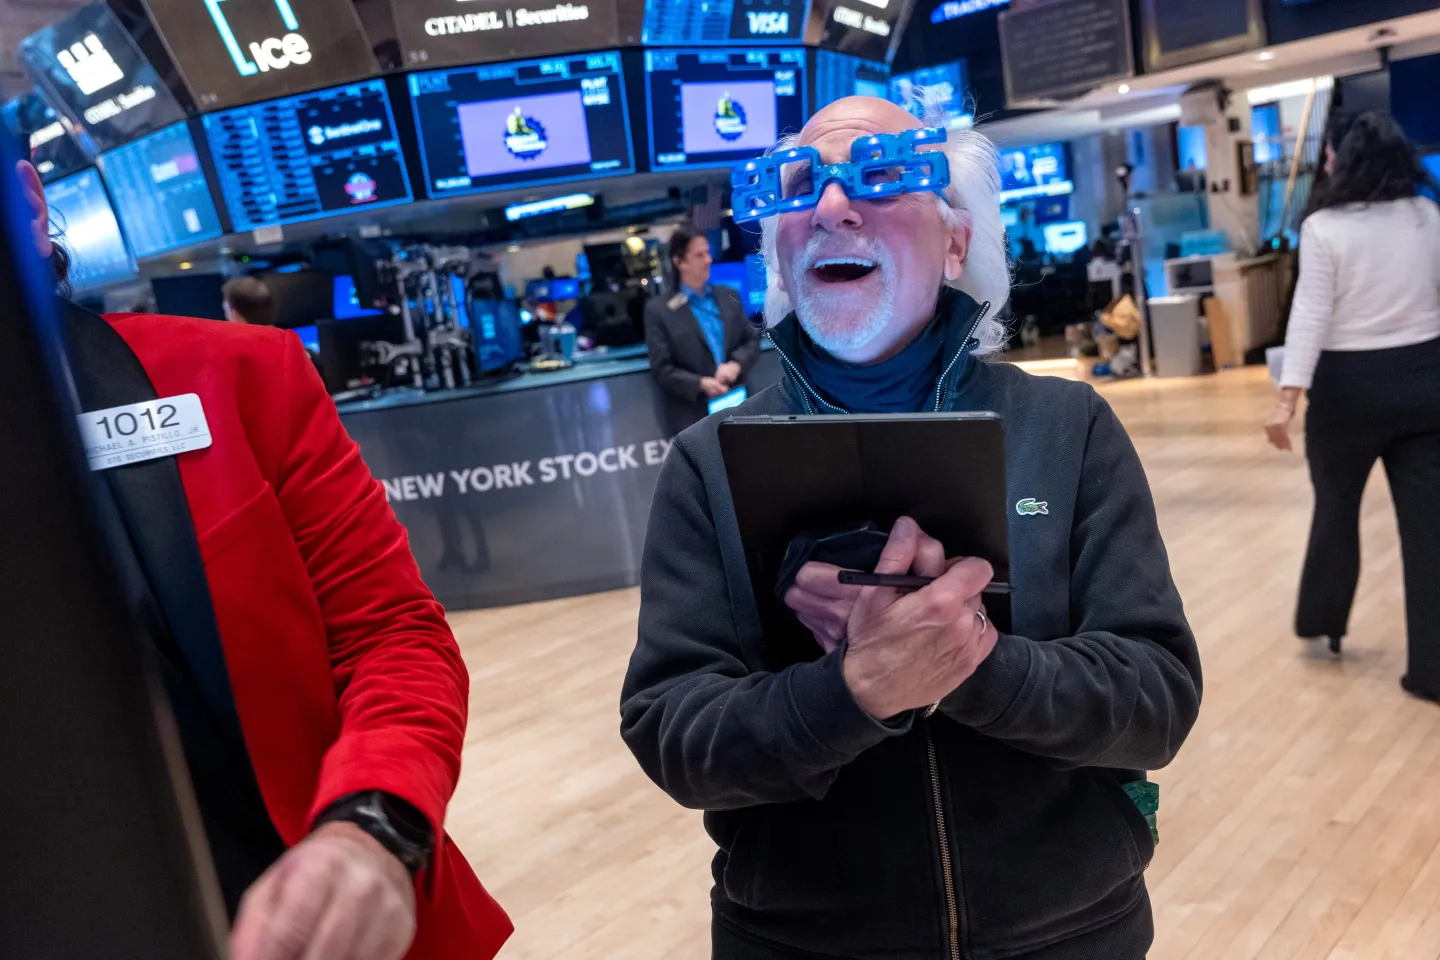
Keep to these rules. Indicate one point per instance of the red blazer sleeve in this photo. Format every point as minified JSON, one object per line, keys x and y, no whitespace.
{"x":403,"y":688}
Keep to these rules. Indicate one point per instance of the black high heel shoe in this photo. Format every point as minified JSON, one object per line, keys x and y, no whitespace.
{"x":1335,"y":644}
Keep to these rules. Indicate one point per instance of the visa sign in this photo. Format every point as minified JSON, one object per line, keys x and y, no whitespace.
{"x":768,"y":23}
{"x":272,"y":53}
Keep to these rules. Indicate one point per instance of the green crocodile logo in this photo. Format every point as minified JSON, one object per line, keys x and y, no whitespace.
{"x":1029,"y":507}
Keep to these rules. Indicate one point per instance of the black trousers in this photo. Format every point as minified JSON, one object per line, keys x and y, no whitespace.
{"x":1364,"y":406}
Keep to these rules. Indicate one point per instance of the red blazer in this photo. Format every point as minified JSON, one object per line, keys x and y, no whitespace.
{"x":345,"y":674}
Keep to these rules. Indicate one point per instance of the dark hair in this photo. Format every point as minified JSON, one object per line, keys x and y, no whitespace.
{"x":249,"y":297}
{"x":60,"y":263}
{"x":677,"y":249}
{"x":1374,"y":163}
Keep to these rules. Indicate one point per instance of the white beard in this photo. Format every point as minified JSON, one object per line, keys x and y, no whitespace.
{"x":839,"y":321}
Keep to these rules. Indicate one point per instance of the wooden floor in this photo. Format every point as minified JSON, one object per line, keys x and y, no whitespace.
{"x":1301,"y":820}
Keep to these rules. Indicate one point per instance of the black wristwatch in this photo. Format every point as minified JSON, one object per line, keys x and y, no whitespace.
{"x":397,"y":825}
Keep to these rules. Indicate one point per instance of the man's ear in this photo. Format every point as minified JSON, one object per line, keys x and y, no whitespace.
{"x":957,"y":252}
{"x":34,"y":192}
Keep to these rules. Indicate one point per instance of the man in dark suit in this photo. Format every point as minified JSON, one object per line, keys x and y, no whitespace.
{"x":702,"y":345}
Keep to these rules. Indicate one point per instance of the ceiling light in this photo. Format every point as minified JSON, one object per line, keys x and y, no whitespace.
{"x":513,"y":248}
{"x":186,"y":264}
{"x":1265,"y":55}
{"x":1124,"y":88}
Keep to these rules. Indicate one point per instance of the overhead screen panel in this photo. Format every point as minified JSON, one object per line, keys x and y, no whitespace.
{"x":314,"y":155}
{"x":160,"y":192}
{"x":838,"y":75}
{"x":516,"y":124}
{"x":53,"y":150}
{"x":81,"y":211}
{"x":241,"y":51}
{"x":444,"y":32}
{"x":683,"y":22}
{"x":92,"y":69}
{"x":862,"y":28}
{"x":713,"y":107}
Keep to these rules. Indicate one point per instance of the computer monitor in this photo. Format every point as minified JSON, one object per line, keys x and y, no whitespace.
{"x":732,"y":274}
{"x":300,"y":298}
{"x":345,"y":301}
{"x":191,"y":294}
{"x":950,"y":82}
{"x":495,"y":328}
{"x":710,"y":108}
{"x":161,"y":194}
{"x":1063,"y":239}
{"x":1039,"y":171}
{"x":507,"y":125}
{"x":313,"y":155}
{"x":81,"y":210}
{"x":838,"y":75}
{"x":757,"y":282}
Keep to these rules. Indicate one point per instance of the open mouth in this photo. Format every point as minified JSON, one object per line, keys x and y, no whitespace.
{"x":843,"y":269}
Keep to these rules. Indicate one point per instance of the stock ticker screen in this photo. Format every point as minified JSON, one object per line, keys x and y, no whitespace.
{"x":838,"y":75}
{"x":713,"y":107}
{"x":676,"y":22}
{"x":515,"y":124}
{"x":81,"y":211}
{"x":160,"y":192}
{"x":314,"y":155}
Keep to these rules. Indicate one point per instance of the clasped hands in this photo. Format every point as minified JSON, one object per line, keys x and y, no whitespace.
{"x":903,"y":650}
{"x":724,"y":380}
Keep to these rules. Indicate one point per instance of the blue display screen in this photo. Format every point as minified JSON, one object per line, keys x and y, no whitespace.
{"x":839,"y":75}
{"x":347,"y":302}
{"x":730,"y":274}
{"x":1267,"y":133}
{"x":1038,"y":171}
{"x":951,"y":80}
{"x":89,"y":230}
{"x":1191,"y":146}
{"x":495,"y":326}
{"x":160,"y":192}
{"x":552,"y":291}
{"x":713,"y":107}
{"x":515,"y":124}
{"x":756,"y":282}
{"x":314,"y":155}
{"x":676,"y":22}
{"x":310,"y":336}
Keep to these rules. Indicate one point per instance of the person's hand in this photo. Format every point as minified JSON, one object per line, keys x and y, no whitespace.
{"x":713,"y":388}
{"x":728,"y":373}
{"x":908,"y":650}
{"x":822,"y":603}
{"x":337,"y":895}
{"x":1277,"y":428}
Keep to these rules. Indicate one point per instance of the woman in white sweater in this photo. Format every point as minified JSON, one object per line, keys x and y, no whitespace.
{"x":1364,"y":340}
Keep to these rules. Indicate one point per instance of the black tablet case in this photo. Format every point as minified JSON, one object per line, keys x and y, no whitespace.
{"x":789,"y":475}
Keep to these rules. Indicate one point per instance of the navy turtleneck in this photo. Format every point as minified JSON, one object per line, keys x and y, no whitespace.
{"x":901,"y":384}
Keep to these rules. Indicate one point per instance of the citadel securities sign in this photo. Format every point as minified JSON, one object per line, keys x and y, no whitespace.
{"x":445,"y":32}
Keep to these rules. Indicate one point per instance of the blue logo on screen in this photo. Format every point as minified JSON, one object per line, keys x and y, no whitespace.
{"x":524,"y":136}
{"x":730,"y":118}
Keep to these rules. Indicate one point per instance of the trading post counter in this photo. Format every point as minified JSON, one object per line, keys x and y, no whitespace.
{"x":529,"y":489}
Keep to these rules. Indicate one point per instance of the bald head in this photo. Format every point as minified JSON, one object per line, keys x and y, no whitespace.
{"x":863,"y":275}
{"x":837,"y":126}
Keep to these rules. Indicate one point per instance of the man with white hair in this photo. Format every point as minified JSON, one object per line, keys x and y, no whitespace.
{"x":926,"y":785}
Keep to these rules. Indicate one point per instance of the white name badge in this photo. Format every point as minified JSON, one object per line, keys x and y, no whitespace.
{"x":143,"y":431}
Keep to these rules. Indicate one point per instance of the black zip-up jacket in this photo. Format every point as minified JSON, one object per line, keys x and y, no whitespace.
{"x":999,"y":827}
